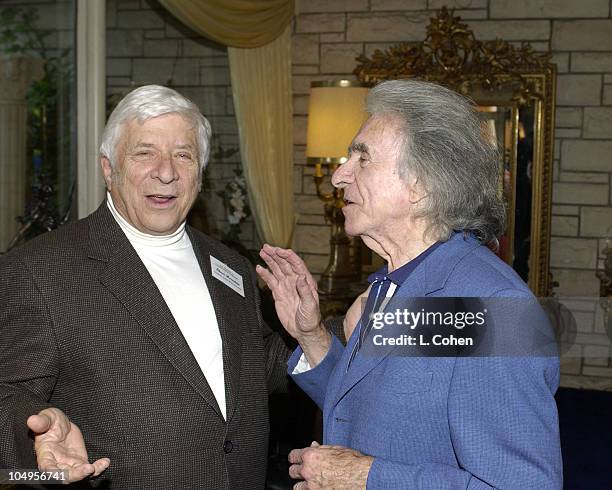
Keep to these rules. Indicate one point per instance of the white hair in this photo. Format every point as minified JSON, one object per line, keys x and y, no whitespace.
{"x":152,"y":101}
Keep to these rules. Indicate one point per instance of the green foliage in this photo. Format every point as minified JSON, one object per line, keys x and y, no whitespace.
{"x":234,"y":194}
{"x":48,"y":100}
{"x":17,"y":34}
{"x":236,"y":204}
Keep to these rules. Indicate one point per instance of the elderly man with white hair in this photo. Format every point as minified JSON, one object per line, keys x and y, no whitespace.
{"x":421,"y":188}
{"x":133,"y":353}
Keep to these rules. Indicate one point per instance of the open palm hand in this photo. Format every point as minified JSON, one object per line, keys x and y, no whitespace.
{"x":60,"y":446}
{"x":293,"y":288}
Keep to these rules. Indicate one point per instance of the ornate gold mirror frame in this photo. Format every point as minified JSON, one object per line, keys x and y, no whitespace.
{"x":514,"y":89}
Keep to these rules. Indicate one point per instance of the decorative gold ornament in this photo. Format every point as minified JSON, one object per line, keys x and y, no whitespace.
{"x":451,"y":56}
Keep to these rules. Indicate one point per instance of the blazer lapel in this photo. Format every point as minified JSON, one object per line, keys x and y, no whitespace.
{"x":228,"y":304}
{"x":362,"y":364}
{"x":129,"y":281}
{"x":428,"y":277}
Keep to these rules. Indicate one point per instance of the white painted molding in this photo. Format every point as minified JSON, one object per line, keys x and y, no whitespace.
{"x":91,"y":92}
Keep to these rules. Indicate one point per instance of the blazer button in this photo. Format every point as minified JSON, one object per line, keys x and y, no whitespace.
{"x":228,"y":447}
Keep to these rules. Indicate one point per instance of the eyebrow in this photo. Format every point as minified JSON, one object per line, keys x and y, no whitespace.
{"x":186,"y":146}
{"x":360,"y":147}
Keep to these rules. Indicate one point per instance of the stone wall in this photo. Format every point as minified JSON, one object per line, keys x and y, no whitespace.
{"x":145,"y":44}
{"x":330,"y":34}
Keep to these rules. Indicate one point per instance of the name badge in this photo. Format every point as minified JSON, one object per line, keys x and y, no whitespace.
{"x":226,"y":275}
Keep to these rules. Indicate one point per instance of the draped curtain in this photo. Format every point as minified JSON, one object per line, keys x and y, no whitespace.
{"x":257,"y":33}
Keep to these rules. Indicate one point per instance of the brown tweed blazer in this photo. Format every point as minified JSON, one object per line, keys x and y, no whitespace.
{"x":84,"y":328}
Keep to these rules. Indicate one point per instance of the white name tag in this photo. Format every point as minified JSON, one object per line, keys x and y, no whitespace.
{"x":226,"y":275}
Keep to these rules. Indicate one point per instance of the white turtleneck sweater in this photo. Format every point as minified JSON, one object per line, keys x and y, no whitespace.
{"x":172,"y":263}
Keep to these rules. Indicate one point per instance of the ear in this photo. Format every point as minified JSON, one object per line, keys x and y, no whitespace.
{"x":107,"y":171}
{"x":416,"y":190}
{"x":201,"y":171}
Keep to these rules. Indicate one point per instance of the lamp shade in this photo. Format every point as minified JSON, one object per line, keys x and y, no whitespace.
{"x":336,"y":111}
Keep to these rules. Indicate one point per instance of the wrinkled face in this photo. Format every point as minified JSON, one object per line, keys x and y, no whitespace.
{"x":156,"y":178}
{"x":377,"y":202}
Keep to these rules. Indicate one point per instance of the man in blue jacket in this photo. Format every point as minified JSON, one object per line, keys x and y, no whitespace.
{"x":421,"y":190}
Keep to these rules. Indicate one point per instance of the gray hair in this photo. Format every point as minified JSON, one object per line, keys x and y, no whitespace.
{"x":445,"y":150}
{"x":152,"y":101}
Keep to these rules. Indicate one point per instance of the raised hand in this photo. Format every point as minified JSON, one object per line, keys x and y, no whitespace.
{"x":59,"y":445}
{"x":293,"y":288}
{"x":296,"y":300}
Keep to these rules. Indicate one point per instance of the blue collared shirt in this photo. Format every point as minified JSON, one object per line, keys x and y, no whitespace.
{"x":381,"y":282}
{"x":399,"y":275}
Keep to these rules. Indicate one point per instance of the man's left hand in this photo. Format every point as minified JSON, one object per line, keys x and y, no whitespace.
{"x":329,"y":467}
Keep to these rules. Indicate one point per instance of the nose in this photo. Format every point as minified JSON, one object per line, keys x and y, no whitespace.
{"x":344,"y":174}
{"x":165,"y":170}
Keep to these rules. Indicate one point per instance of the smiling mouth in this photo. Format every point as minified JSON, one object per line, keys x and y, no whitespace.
{"x":161,"y":198}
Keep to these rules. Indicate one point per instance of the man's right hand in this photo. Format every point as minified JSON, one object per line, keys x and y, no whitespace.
{"x":59,"y":445}
{"x":296,"y":300}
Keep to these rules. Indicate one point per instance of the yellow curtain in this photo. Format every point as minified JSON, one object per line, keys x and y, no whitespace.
{"x":236,"y":23}
{"x":258,"y":36}
{"x":261,"y":86}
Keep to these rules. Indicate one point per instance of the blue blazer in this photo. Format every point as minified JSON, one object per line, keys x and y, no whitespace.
{"x":444,"y":422}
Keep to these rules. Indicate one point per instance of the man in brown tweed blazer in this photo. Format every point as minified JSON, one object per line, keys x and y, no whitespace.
{"x":104,"y":368}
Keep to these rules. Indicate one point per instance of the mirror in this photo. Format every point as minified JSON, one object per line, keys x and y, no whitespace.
{"x":514,"y":90}
{"x":500,"y":127}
